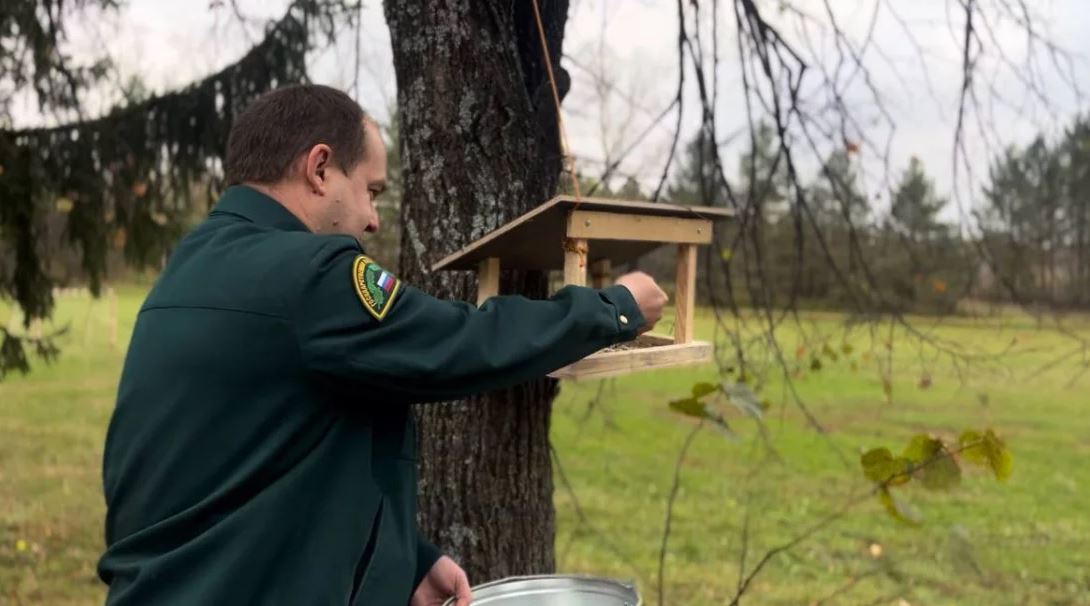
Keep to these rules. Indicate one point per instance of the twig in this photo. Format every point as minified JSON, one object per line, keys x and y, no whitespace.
{"x":840,"y":513}
{"x":681,"y":38}
{"x":585,"y":521}
{"x":847,"y":586}
{"x":670,"y":510}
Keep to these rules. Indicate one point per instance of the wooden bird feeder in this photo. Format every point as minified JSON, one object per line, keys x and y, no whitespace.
{"x":599,"y":233}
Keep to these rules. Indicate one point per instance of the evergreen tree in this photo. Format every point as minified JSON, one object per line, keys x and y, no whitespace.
{"x":696,"y":181}
{"x":762,"y":174}
{"x":920,"y":263}
{"x":1076,"y":161}
{"x":126,"y":178}
{"x":631,"y":190}
{"x":915,"y":207}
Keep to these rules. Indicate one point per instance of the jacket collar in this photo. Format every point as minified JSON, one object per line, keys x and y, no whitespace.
{"x":258,"y":208}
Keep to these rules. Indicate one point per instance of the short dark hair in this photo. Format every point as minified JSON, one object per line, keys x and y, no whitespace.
{"x":275,"y":128}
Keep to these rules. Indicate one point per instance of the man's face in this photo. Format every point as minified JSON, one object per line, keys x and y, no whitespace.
{"x":350,"y":205}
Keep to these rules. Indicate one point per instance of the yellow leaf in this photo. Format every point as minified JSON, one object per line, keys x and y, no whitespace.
{"x":702,"y":389}
{"x":875,"y":550}
{"x":64,"y":204}
{"x":988,"y":449}
{"x":879,"y":465}
{"x":938,"y":286}
{"x":20,"y":545}
{"x":899,"y":510}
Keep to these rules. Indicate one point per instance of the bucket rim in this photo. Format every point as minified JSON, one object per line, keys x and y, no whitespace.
{"x":617,"y":584}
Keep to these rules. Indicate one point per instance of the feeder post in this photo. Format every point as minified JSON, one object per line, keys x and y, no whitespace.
{"x":601,"y":273}
{"x":685,"y":295}
{"x":575,"y":261}
{"x":488,"y":279}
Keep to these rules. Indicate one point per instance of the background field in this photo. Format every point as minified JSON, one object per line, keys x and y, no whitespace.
{"x":1021,"y":542}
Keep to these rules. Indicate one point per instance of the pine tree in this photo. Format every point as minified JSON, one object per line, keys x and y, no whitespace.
{"x":125,"y":179}
{"x":915,"y":207}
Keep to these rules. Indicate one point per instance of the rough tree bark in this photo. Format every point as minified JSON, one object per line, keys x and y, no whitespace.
{"x":479,"y":147}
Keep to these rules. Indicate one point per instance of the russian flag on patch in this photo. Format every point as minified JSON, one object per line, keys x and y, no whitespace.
{"x":385,"y":282}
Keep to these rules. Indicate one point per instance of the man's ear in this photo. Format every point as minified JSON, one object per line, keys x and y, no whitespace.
{"x":317,"y":164}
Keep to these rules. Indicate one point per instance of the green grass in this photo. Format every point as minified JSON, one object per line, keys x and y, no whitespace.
{"x":52,"y":427}
{"x":1019,"y":542}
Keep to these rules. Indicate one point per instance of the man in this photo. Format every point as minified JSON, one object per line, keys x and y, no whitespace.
{"x":262,"y":449}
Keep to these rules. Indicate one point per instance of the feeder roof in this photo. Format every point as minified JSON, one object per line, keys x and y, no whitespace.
{"x":535,"y":239}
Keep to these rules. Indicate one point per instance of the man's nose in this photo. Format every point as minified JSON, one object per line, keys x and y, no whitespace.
{"x":373,"y":224}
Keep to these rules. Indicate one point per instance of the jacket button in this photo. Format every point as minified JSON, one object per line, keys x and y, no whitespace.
{"x":623,"y":319}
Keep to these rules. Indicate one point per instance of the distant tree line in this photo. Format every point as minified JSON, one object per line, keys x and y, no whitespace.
{"x":1028,"y":241}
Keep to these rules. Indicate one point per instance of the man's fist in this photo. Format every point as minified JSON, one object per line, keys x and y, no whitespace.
{"x":649,"y":297}
{"x":445,"y":579}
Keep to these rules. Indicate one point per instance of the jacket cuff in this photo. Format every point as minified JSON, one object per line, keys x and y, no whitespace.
{"x":627,"y":312}
{"x":426,"y":557}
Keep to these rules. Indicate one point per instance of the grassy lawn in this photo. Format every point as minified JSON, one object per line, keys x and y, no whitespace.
{"x":1019,"y":542}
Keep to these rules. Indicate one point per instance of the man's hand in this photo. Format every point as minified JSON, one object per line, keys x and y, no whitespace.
{"x":445,"y":579}
{"x":649,"y":297}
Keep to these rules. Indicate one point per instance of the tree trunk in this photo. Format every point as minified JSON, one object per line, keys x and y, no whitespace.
{"x":479,"y":147}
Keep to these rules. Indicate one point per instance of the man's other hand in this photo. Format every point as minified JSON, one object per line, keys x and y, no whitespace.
{"x":649,"y":297}
{"x":445,"y":579}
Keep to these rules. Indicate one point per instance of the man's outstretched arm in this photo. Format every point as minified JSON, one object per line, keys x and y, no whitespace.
{"x":358,"y":323}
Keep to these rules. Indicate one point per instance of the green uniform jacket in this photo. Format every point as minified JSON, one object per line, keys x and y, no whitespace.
{"x":262,"y":449}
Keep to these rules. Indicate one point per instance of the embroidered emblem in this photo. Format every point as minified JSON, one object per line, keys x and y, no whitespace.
{"x":376,"y":287}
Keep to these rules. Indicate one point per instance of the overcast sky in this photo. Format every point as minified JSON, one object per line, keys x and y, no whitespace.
{"x":914,"y":60}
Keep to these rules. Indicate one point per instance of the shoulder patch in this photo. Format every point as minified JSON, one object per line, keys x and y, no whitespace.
{"x":375,"y":286}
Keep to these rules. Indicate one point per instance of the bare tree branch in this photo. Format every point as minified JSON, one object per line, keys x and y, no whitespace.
{"x":670,"y":510}
{"x":681,"y":38}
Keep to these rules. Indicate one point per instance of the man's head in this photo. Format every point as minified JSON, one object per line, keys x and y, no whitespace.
{"x":315,"y":150}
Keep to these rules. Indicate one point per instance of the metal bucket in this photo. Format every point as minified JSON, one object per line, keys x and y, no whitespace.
{"x":554,"y":590}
